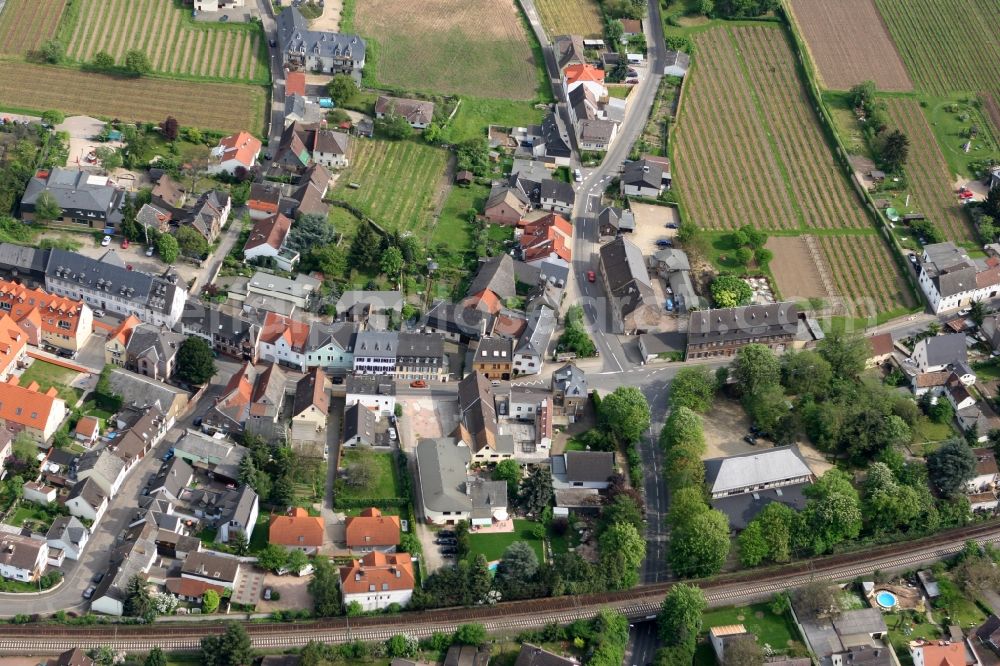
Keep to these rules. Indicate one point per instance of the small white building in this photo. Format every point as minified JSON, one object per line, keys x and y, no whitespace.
{"x":233,"y":152}
{"x":87,"y":500}
{"x":950,"y":279}
{"x":583,"y":469}
{"x":22,"y":558}
{"x":376,"y":392}
{"x":69,"y":535}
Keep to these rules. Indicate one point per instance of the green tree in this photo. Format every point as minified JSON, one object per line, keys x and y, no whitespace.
{"x":694,"y":388}
{"x":195,"y":361}
{"x":683,"y":428}
{"x":324,"y":588}
{"x":817,"y":599}
{"x":239,"y":542}
{"x":191,"y":243}
{"x":311,"y":232}
{"x":686,"y":503}
{"x":232,"y":648}
{"x":832,"y":513}
{"x":103,"y":61}
{"x":683,"y":467}
{"x":470,"y":634}
{"x":272,"y":558}
{"x":743,"y":651}
{"x":138,"y":600}
{"x":518,"y":565}
{"x":624,"y":508}
{"x":536,"y":490}
{"x":401,"y":646}
{"x":167,"y":248}
{"x":895,"y":150}
{"x":777,"y":521}
{"x":768,"y":408}
{"x":846,"y":353}
{"x":510,"y":471}
{"x":109,"y":158}
{"x":622,"y":550}
{"x":753,"y":545}
{"x":52,"y":51}
{"x":155,"y":658}
{"x":137,"y":62}
{"x":342,"y":89}
{"x":365,"y":248}
{"x":394,"y":127}
{"x":806,"y":373}
{"x":479,"y":580}
{"x":977,"y":312}
{"x":680,"y":618}
{"x":755,"y":368}
{"x":951,"y":466}
{"x":700,"y":547}
{"x":941,"y":411}
{"x":24,"y":448}
{"x":297,"y":561}
{"x":625,"y":413}
{"x":210,"y":601}
{"x":729,"y":291}
{"x":391,"y":263}
{"x":47,"y":208}
{"x":53,"y":117}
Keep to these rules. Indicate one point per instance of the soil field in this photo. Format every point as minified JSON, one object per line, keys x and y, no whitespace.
{"x":993,"y":111}
{"x":927,"y":172}
{"x":25,"y":24}
{"x":866,"y":278}
{"x":398,"y":181}
{"x":849,"y":44}
{"x":451,"y":47}
{"x":570,"y":17}
{"x":749,"y":148}
{"x":219,"y":106}
{"x":800,"y":269}
{"x":173,"y":43}
{"x":947,"y":46}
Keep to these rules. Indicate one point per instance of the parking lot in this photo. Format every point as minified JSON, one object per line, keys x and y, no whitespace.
{"x":134,"y":255}
{"x":651,"y":225}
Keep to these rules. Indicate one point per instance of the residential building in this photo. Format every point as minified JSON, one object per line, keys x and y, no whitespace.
{"x":219,"y":457}
{"x":569,"y":391}
{"x":882,"y":347}
{"x":87,"y":430}
{"x":297,"y":531}
{"x":47,"y":319}
{"x":6,"y":446}
{"x":723,"y":332}
{"x":228,"y":334}
{"x":105,"y":468}
{"x":614,"y":220}
{"x":467,"y":655}
{"x":377,"y":581}
{"x":171,"y":479}
{"x":676,"y":63}
{"x":529,"y":352}
{"x":117,"y":341}
{"x":22,"y":264}
{"x":87,"y":500}
{"x":420,"y":356}
{"x":267,"y":404}
{"x":210,"y":214}
{"x":22,"y":558}
{"x":950,"y":279}
{"x":493,"y":285}
{"x":628,"y":286}
{"x":359,"y":306}
{"x":642,"y":178}
{"x":494,"y":357}
{"x":109,"y":286}
{"x":146,"y":428}
{"x":942,"y":352}
{"x":151,"y":351}
{"x":312,"y":403}
{"x":331,"y":148}
{"x":236,"y":151}
{"x":217,"y":5}
{"x":284,"y":340}
{"x":376,"y":392}
{"x":331,"y":346}
{"x":939,"y":653}
{"x":302,"y":110}
{"x":169,"y":196}
{"x":86,"y":200}
{"x":583,"y":469}
{"x":231,"y":410}
{"x":477,"y":421}
{"x":359,"y":426}
{"x":300,"y":292}
{"x":310,"y":190}
{"x":372,"y":531}
{"x":446,"y":489}
{"x":134,"y":556}
{"x":26,"y":409}
{"x":985,"y":477}
{"x":13,"y":345}
{"x":531,"y":655}
{"x":596,"y":134}
{"x":569,"y":50}
{"x":314,"y":51}
{"x":417,"y":112}
{"x":557,"y":195}
{"x":549,"y":238}
{"x":39,"y":493}
{"x":375,"y":352}
{"x":69,"y":535}
{"x":211,"y":568}
{"x":76,"y":656}
{"x":555,"y":140}
{"x":742,"y":485}
{"x":986,"y":638}
{"x":141,"y":393}
{"x":239,"y":516}
{"x":265,"y":200}
{"x":456,"y":323}
{"x":506,"y":205}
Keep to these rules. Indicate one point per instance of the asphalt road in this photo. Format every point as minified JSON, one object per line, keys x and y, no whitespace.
{"x":642,"y":643}
{"x":276,"y":118}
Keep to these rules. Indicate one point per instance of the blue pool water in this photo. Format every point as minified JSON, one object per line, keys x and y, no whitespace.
{"x":885,"y":599}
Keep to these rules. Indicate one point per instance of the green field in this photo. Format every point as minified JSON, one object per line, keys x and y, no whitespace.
{"x":476,"y":114}
{"x":385,"y":483}
{"x":453,"y":226}
{"x":493,"y":545}
{"x":173,"y":41}
{"x":28,"y":511}
{"x":48,"y":375}
{"x":398,"y":181}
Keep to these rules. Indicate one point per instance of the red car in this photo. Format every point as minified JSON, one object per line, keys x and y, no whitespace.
{"x":591,"y":276}
{"x":124,"y":243}
{"x":418,"y":384}
{"x":965,"y":195}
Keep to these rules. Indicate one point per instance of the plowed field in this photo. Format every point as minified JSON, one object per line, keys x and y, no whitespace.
{"x":25,"y":24}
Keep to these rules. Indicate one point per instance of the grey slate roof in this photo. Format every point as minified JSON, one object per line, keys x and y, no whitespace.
{"x":497,"y":275}
{"x":569,"y":50}
{"x":172,"y":477}
{"x":617,"y":218}
{"x":487,"y":495}
{"x":240,"y":510}
{"x":420,"y":349}
{"x":642,"y":173}
{"x":369,"y":385}
{"x":442,"y":467}
{"x":89,"y":491}
{"x":296,"y":37}
{"x":211,"y":321}
{"x":415,"y":111}
{"x":536,"y":337}
{"x":945,"y":349}
{"x":455,"y":319}
{"x":379,"y":301}
{"x":623,"y":264}
{"x":23,"y":259}
{"x":860,"y":621}
{"x":103,"y":463}
{"x":560,"y":191}
{"x":68,"y":529}
{"x":139,"y":391}
{"x":571,"y":380}
{"x":584,"y":104}
{"x":494,"y":349}
{"x":359,"y":421}
{"x":754,"y":468}
{"x":596,"y":129}
{"x":677,"y":58}
{"x":328,"y":141}
{"x":75,"y":195}
{"x":744,"y":323}
{"x":556,"y":143}
{"x":589,"y":466}
{"x":673,"y":259}
{"x":743,"y":508}
{"x":379,"y":344}
{"x":153,"y":342}
{"x":210,"y":565}
{"x":301,"y":287}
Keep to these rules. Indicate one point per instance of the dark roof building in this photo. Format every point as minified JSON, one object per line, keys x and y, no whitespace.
{"x":724,"y":331}
{"x":627,"y":283}
{"x":83,"y":197}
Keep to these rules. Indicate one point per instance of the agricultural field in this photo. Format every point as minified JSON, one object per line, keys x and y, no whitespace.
{"x":220,"y":106}
{"x":849,"y":44}
{"x":927,"y":172}
{"x":451,"y":47}
{"x":174,"y":44}
{"x":25,"y":24}
{"x":571,"y":17}
{"x":947,"y":46}
{"x":398,"y":181}
{"x":865,"y":277}
{"x":771,"y":166}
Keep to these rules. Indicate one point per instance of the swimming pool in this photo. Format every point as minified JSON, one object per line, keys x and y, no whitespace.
{"x":885,"y":599}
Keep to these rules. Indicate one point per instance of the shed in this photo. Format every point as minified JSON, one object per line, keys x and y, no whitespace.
{"x":465,"y":177}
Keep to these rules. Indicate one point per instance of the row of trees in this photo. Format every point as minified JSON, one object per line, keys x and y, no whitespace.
{"x":889,"y":146}
{"x":135,"y":63}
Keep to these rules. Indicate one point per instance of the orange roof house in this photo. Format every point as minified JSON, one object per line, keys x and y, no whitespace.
{"x":583,"y":72}
{"x":295,"y":83}
{"x":58,"y":320}
{"x":372,"y":531}
{"x":26,"y":409}
{"x":938,"y":653}
{"x":235,"y":150}
{"x":279,"y":327}
{"x":114,"y":346}
{"x":378,"y":580}
{"x":87,"y":429}
{"x":297,"y":530}
{"x":270,"y":231}
{"x":12,"y":343}
{"x":548,"y":235}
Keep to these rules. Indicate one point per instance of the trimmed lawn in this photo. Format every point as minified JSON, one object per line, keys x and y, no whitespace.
{"x":476,"y":114}
{"x":258,"y":540}
{"x":774,"y":630}
{"x":310,"y":481}
{"x":386,"y":481}
{"x":453,"y":227}
{"x":28,"y":511}
{"x":493,"y":545}
{"x":902,"y":631}
{"x":48,"y":375}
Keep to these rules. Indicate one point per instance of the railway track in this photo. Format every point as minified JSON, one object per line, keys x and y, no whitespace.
{"x":507,"y":617}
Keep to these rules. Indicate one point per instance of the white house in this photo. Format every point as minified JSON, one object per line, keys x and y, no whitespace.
{"x":642,"y":178}
{"x":234,"y":151}
{"x":378,"y":580}
{"x":557,"y":195}
{"x":267,"y":239}
{"x":69,"y":535}
{"x":376,"y":392}
{"x":583,"y":469}
{"x":105,"y":468}
{"x":87,"y":500}
{"x":39,"y":493}
{"x":331,"y":346}
{"x":950,"y":279}
{"x":330,"y":149}
{"x":942,"y":352}
{"x":22,"y":558}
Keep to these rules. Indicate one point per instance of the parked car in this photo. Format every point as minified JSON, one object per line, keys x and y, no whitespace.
{"x":149,"y":251}
{"x":392,"y":434}
{"x":98,"y":313}
{"x":267,"y":594}
{"x":913,"y":258}
{"x":750,"y":439}
{"x":446,"y":542}
{"x":591,"y":276}
{"x":446,"y":533}
{"x":418,"y":384}
{"x":577,"y":176}
{"x":273,"y":43}
{"x":664,"y":242}
{"x":89,"y":592}
{"x":106,"y":241}
{"x":97,"y":578}
{"x":450,"y":550}
{"x":964,"y":312}
{"x":671,"y":225}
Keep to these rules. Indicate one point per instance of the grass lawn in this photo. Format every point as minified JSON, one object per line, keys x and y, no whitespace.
{"x":258,"y":540}
{"x":493,"y":545}
{"x":48,"y":375}
{"x":476,"y":114}
{"x":28,"y":511}
{"x":926,"y":431}
{"x":902,"y":630}
{"x":90,"y":408}
{"x":310,"y":481}
{"x":386,"y":480}
{"x":949,"y":120}
{"x":774,"y":630}
{"x":573,"y":444}
{"x":453,"y":227}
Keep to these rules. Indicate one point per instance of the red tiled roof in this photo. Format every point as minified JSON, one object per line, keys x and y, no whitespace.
{"x":371,"y":528}
{"x":484,"y":301}
{"x":941,"y":654}
{"x":386,"y":572}
{"x":12,"y":341}
{"x":271,"y":230}
{"x":122,"y":332}
{"x":881,"y":344}
{"x":87,"y":426}
{"x":547,"y":235}
{"x":297,"y":530}
{"x":189,"y":587}
{"x":276,"y":326}
{"x":584,"y":72}
{"x":988,"y":278}
{"x":295,"y":83}
{"x":242,"y":147}
{"x":26,"y":405}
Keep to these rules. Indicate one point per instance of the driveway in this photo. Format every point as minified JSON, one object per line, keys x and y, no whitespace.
{"x":83,"y":131}
{"x":294,"y":591}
